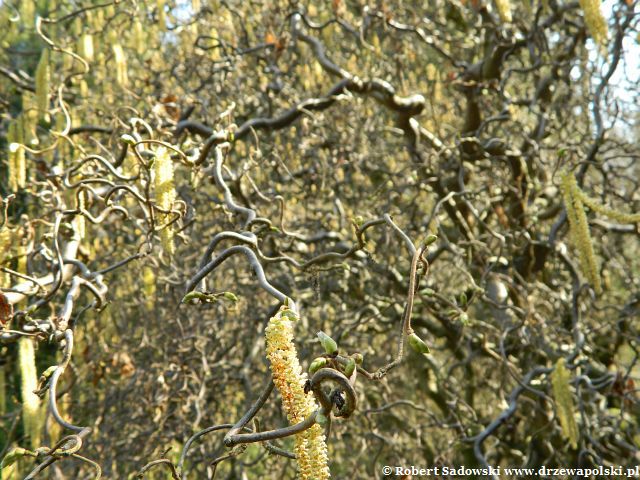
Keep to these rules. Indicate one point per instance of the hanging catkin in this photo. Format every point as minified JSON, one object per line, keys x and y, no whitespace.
{"x":162,"y":19}
{"x":310,"y":447}
{"x":165,"y":195}
{"x":17,"y":171}
{"x":42,"y":85}
{"x":616,"y":215}
{"x":85,"y":47}
{"x":29,"y":382}
{"x":564,"y":402}
{"x":504,"y":10}
{"x":121,"y":65}
{"x":595,"y":21}
{"x":579,"y":230}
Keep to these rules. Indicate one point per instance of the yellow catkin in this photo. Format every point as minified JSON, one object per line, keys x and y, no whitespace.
{"x":85,"y":47}
{"x":12,"y":137}
{"x":607,"y":212}
{"x":310,"y":447}
{"x":84,"y":88}
{"x":595,"y":21}
{"x":79,"y":224}
{"x":138,"y":37}
{"x":5,"y":243}
{"x":17,"y":167}
{"x":42,"y":85}
{"x":28,"y":13}
{"x":149,"y":283}
{"x":121,"y":65}
{"x":14,"y":132}
{"x":162,"y":19}
{"x":579,"y":230}
{"x":29,"y":119}
{"x":31,"y":417}
{"x":165,"y":195}
{"x":504,"y":10}
{"x":564,"y":402}
{"x":9,"y":473}
{"x":5,"y":249}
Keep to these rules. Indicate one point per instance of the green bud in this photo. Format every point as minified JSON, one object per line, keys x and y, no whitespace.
{"x":230,"y":296}
{"x":49,"y":371}
{"x":464,"y":318}
{"x":329,"y":344}
{"x":317,"y":364}
{"x":418,"y":344}
{"x":193,"y":296}
{"x":463,"y":299}
{"x":14,"y":455}
{"x":358,"y":220}
{"x":350,"y":367}
{"x":358,"y":358}
{"x":429,"y":292}
{"x":44,"y":380}
{"x":128,"y":139}
{"x":430,"y":239}
{"x":41,"y":451}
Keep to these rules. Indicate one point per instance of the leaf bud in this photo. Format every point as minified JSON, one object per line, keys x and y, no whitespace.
{"x":317,"y":364}
{"x":128,"y":139}
{"x":418,"y":344}
{"x":329,"y":344}
{"x":230,"y":296}
{"x":350,"y":367}
{"x":430,"y":239}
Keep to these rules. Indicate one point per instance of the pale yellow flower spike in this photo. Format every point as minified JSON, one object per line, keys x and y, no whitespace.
{"x":579,"y":230}
{"x":504,"y":10}
{"x":30,"y":401}
{"x":121,"y":65}
{"x":42,"y":85}
{"x":608,"y":212}
{"x":85,"y":47}
{"x":310,"y":448}
{"x":17,"y":171}
{"x":165,"y":195}
{"x":595,"y":21}
{"x":564,"y":402}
